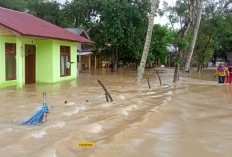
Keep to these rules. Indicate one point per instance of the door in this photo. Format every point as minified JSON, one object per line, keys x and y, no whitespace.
{"x":30,"y":73}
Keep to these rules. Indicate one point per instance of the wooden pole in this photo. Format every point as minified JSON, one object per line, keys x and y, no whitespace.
{"x":149,"y":85}
{"x":44,"y":103}
{"x":107,"y":99}
{"x":106,"y":92}
{"x":159,"y":78}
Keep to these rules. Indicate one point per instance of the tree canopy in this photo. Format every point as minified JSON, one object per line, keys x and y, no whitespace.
{"x":119,"y":27}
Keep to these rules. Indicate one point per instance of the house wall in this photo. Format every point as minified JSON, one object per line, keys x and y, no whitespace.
{"x":3,"y":82}
{"x":85,"y":61}
{"x":56,"y":60}
{"x":91,"y":61}
{"x":44,"y":61}
{"x":47,"y":60}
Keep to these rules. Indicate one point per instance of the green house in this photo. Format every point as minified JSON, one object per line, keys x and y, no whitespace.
{"x":35,"y":51}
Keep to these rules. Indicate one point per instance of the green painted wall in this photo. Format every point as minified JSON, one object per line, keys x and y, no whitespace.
{"x":1,"y":61}
{"x":47,"y":60}
{"x":56,"y":57}
{"x":3,"y":82}
{"x":44,"y":66}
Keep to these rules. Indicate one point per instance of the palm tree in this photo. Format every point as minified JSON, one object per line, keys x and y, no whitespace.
{"x":198,"y":21}
{"x":141,"y":67}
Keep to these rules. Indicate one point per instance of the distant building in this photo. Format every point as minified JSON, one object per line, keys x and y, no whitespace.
{"x":86,"y":58}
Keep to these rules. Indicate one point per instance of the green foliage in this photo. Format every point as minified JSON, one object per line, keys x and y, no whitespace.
{"x":217,"y":22}
{"x":204,"y":49}
{"x":161,"y":38}
{"x":82,"y":13}
{"x":49,"y":11}
{"x":182,"y":43}
{"x":181,"y":8}
{"x":150,"y":58}
{"x":225,"y":34}
{"x":123,"y":24}
{"x":19,"y":5}
{"x":215,"y":33}
{"x":177,"y":13}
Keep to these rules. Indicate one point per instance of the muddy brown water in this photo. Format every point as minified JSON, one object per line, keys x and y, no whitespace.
{"x":192,"y":118}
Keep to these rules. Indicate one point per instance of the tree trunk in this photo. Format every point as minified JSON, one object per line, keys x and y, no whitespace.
{"x":176,"y":73}
{"x":183,"y":32}
{"x":114,"y":63}
{"x":141,"y":67}
{"x":188,"y":62}
{"x":177,"y":69}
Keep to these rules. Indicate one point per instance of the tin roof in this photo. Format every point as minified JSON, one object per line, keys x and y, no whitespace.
{"x":29,"y":25}
{"x":79,"y":31}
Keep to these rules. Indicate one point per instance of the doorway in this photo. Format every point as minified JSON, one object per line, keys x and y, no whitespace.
{"x":30,"y":60}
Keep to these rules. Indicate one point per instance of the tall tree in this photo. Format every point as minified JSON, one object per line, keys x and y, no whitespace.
{"x":197,"y":25}
{"x":140,"y":70}
{"x":161,"y":39}
{"x":49,"y":11}
{"x":120,"y":30}
{"x":19,"y":5}
{"x":185,"y":13}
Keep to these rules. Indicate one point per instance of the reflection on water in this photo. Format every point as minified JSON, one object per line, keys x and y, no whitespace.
{"x":188,"y":119}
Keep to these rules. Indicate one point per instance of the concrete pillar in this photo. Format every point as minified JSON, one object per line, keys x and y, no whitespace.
{"x":95,"y":61}
{"x":89,"y":61}
{"x":79,"y":67}
{"x":19,"y":63}
{"x":79,"y":55}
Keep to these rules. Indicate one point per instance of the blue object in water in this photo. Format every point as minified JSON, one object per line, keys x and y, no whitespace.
{"x":39,"y":116}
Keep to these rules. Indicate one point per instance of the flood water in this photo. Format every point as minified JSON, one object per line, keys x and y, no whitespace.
{"x":192,"y":118}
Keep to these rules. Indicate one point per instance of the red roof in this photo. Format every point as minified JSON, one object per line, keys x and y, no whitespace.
{"x":29,"y":25}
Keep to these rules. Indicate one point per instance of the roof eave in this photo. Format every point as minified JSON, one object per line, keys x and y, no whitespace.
{"x":17,"y":32}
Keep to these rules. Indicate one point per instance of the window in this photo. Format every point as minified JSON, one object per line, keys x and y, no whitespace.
{"x":65,"y":67}
{"x":10,"y":61}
